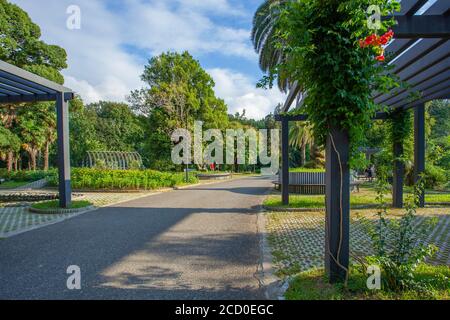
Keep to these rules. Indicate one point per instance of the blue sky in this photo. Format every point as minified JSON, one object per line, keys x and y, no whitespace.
{"x":117,"y":37}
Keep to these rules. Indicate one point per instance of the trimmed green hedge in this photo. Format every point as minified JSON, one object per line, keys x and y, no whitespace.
{"x":27,"y":176}
{"x":105,"y":179}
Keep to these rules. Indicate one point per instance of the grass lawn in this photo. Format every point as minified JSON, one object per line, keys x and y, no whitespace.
{"x":367,"y":196}
{"x":313,"y":285}
{"x":54,"y":204}
{"x":13,"y":184}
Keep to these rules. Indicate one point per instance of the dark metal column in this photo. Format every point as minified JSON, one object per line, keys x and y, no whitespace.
{"x":419,"y":147}
{"x":337,"y":224}
{"x":285,"y":160}
{"x":62,"y":113}
{"x":397,"y":183}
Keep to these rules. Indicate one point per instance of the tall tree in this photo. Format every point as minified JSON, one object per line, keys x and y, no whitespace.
{"x":264,"y":37}
{"x":300,"y":136}
{"x":117,"y":127}
{"x":179,"y":92}
{"x":20,"y":44}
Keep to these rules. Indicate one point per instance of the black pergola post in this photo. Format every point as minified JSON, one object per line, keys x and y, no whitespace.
{"x":285,"y":160}
{"x":419,"y":148}
{"x":337,"y":224}
{"x":62,"y":113}
{"x":398,"y":173}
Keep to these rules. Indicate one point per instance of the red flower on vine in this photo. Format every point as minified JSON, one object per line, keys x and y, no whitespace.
{"x":377,"y":42}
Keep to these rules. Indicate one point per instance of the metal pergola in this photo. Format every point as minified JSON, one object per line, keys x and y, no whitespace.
{"x":420,"y":56}
{"x":20,"y":86}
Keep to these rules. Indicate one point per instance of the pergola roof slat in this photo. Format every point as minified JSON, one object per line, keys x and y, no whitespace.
{"x":18,"y":85}
{"x":426,"y":84}
{"x":410,"y":7}
{"x":439,"y":7}
{"x":14,"y":89}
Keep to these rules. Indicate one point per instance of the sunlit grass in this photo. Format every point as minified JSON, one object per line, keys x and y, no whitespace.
{"x":366,"y":197}
{"x":313,"y":285}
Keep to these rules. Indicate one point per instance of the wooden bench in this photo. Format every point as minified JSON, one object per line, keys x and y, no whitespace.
{"x":314,"y":188}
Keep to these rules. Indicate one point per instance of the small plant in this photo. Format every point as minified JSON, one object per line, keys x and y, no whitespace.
{"x":54,"y":204}
{"x":397,"y":250}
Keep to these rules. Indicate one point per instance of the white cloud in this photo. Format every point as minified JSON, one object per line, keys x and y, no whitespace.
{"x":240,"y":93}
{"x":100,"y":68}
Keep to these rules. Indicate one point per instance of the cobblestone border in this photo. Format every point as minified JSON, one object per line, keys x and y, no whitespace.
{"x":281,"y":209}
{"x":274,"y":287}
{"x":43,"y":225}
{"x":60,"y":210}
{"x":362,"y":207}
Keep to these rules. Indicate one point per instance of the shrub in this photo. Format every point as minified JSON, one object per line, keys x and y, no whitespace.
{"x":27,"y":176}
{"x":434,"y":176}
{"x":106,"y":179}
{"x":397,"y":250}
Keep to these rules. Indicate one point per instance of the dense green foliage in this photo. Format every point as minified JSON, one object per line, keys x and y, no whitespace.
{"x":84,"y":178}
{"x":104,"y":126}
{"x":179,"y":92}
{"x":25,"y":131}
{"x":321,"y":39}
{"x":383,"y":134}
{"x":26,"y":176}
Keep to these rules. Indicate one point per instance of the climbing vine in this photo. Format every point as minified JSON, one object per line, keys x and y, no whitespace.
{"x":339,"y":73}
{"x":400,"y":126}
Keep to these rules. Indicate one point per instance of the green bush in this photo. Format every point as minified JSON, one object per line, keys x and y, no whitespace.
{"x":434,"y":177}
{"x":27,"y":176}
{"x":105,"y":179}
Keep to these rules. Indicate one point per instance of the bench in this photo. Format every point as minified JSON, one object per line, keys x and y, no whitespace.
{"x":312,"y":183}
{"x":314,"y":188}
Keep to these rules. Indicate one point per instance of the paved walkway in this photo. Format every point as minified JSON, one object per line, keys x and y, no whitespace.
{"x":195,"y":243}
{"x":297,"y":238}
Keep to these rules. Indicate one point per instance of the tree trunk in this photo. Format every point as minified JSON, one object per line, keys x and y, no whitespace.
{"x":33,"y":154}
{"x":46,"y":155}
{"x":303,"y":155}
{"x":9,"y":161}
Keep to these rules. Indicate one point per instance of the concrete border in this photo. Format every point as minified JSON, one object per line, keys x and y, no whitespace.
{"x":274,"y":288}
{"x":59,"y":210}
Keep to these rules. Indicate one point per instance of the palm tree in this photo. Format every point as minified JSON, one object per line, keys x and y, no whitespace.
{"x":264,"y":38}
{"x":300,"y":135}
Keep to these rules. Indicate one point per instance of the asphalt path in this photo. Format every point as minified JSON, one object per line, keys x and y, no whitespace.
{"x":200,"y":242}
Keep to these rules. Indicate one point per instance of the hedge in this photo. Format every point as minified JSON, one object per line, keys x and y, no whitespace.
{"x":105,"y":179}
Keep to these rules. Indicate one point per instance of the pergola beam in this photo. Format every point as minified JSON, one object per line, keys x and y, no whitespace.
{"x":285,"y":161}
{"x":304,"y":117}
{"x":422,"y":26}
{"x":62,"y":114}
{"x":419,"y":148}
{"x":34,"y":98}
{"x":337,"y":223}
